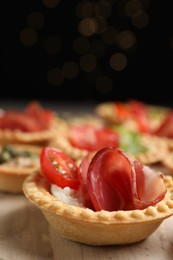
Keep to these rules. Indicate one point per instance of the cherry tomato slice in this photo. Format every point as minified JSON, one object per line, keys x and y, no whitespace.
{"x":59,"y":168}
{"x":121,"y":111}
{"x":139,"y":113}
{"x":91,"y":138}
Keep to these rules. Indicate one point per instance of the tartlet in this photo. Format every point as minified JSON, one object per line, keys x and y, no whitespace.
{"x":111,"y":113}
{"x":97,"y":228}
{"x":14,"y":170}
{"x":33,"y":125}
{"x":140,"y":117}
{"x":145,"y":148}
{"x":61,"y":138}
{"x":155,"y":150}
{"x":16,"y":136}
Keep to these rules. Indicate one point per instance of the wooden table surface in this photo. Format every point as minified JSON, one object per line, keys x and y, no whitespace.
{"x":25,"y":235}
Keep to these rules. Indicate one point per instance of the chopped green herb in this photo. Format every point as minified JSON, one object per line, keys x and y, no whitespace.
{"x":8,"y":152}
{"x":130,"y":141}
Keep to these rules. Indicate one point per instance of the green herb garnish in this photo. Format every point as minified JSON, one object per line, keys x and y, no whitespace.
{"x":130,"y":141}
{"x":8,"y":152}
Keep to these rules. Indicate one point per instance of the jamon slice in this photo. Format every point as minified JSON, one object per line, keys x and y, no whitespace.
{"x":115,"y":182}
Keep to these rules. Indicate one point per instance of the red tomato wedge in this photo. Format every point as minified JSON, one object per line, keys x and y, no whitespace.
{"x":59,"y":168}
{"x":139,"y":112}
{"x":115,"y":182}
{"x":121,"y":111}
{"x":166,"y":127}
{"x":134,"y":110}
{"x":92,"y":138}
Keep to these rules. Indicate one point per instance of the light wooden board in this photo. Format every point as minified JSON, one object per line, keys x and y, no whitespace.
{"x":25,"y":235}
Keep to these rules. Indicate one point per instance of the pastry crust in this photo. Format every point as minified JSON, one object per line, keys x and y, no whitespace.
{"x":12,"y":175}
{"x":156,"y":150}
{"x":61,"y":138}
{"x":97,"y":228}
{"x":156,"y":147}
{"x":39,"y":128}
{"x":8,"y":136}
{"x":107,"y":111}
{"x":169,"y":142}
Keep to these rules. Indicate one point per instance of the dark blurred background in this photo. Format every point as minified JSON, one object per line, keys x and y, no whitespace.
{"x":88,"y":50}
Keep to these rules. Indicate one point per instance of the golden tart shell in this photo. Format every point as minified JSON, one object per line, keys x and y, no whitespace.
{"x":156,"y":150}
{"x":12,"y":176}
{"x":156,"y":147}
{"x":97,"y":228}
{"x":107,"y":111}
{"x":8,"y":136}
{"x":61,"y":141}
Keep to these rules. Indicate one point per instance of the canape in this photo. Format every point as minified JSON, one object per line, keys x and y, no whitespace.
{"x":32,"y":125}
{"x":143,"y":198}
{"x":16,"y":163}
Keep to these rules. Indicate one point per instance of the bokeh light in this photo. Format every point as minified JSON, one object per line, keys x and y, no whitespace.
{"x":87,"y":27}
{"x":85,"y":9}
{"x":98,"y":42}
{"x":132,"y":6}
{"x":36,"y":20}
{"x":126,"y":39}
{"x":28,"y":36}
{"x":118,"y":61}
{"x":140,"y":19}
{"x":101,"y":24}
{"x":51,"y":3}
{"x":103,"y":8}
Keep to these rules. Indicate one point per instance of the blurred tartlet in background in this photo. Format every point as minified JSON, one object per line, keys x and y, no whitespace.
{"x":17,"y":161}
{"x":32,"y":125}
